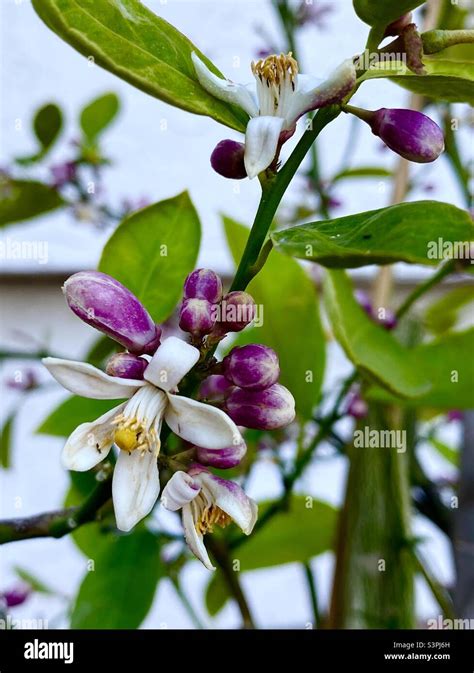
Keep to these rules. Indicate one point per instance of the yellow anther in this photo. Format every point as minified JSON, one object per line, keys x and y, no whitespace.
{"x":274,"y":69}
{"x":210,"y":517}
{"x":127,"y":439}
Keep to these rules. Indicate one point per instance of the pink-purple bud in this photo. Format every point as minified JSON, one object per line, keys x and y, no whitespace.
{"x":409,"y":133}
{"x":126,"y":366}
{"x":214,"y":388}
{"x":197,"y":317}
{"x":227,"y":159}
{"x":104,"y":303}
{"x":267,"y":409}
{"x":203,"y":284}
{"x":254,"y":367}
{"x":237,"y":310}
{"x":63,"y":173}
{"x":222,"y":459}
{"x":356,"y":406}
{"x":16,"y":596}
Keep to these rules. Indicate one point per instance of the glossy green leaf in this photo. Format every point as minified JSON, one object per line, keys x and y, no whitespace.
{"x":99,"y":114}
{"x":291,"y":322}
{"x":152,"y":251}
{"x":383,"y":12}
{"x":445,"y":80}
{"x":71,"y":413}
{"x":119,"y":592}
{"x":23,"y":199}
{"x":363,"y":172}
{"x":129,"y":40}
{"x":372,"y":349}
{"x":448,"y":364}
{"x":453,"y":310}
{"x":37,"y":585}
{"x":101,"y":350}
{"x":47,"y":125}
{"x":5,"y":442}
{"x":406,"y":232}
{"x":306,"y":530}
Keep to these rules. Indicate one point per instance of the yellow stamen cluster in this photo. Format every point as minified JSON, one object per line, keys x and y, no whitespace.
{"x":132,"y":435}
{"x":275,"y":69}
{"x":210,"y":517}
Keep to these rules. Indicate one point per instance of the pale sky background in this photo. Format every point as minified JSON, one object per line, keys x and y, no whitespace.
{"x":37,"y":67}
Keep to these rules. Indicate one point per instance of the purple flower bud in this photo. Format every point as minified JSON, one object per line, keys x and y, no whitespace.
{"x":364,"y":300}
{"x":387,"y":319}
{"x":104,"y":303}
{"x":214,"y":387}
{"x":254,"y":367}
{"x":126,"y":366}
{"x":222,"y":459}
{"x":203,"y":284}
{"x":227,"y":159}
{"x":63,"y":173}
{"x":409,"y":133}
{"x":237,"y":310}
{"x":266,"y":409}
{"x":16,"y":596}
{"x":197,"y":316}
{"x":454,"y":415}
{"x":356,"y":406}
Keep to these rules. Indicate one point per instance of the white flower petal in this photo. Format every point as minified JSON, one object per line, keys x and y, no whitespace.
{"x":261,"y":143}
{"x":224,"y":89}
{"x":173,"y":360}
{"x":194,"y":539}
{"x":86,"y":380}
{"x":90,"y":442}
{"x":135,"y":487}
{"x":231,"y":499}
{"x":200,"y":423}
{"x":179,"y":491}
{"x":332,"y":90}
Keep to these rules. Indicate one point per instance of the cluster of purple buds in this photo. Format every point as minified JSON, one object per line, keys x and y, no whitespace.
{"x":384,"y":316}
{"x":249,"y":388}
{"x":409,"y":133}
{"x":205,"y":311}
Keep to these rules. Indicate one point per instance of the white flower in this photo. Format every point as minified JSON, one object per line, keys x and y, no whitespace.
{"x":207,"y":501}
{"x":279,"y":98}
{"x":134,"y":426}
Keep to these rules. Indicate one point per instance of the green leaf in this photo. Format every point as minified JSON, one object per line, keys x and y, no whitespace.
{"x":101,"y":350}
{"x":99,"y":114}
{"x":71,"y":413}
{"x":37,"y":585}
{"x":451,"y":455}
{"x":5,"y":442}
{"x":449,"y":366}
{"x":119,"y":592}
{"x":92,"y":538}
{"x":126,"y":38}
{"x":306,"y":530}
{"x":23,"y":199}
{"x":362,"y":172}
{"x":408,"y":232}
{"x":152,"y":251}
{"x":383,"y":12}
{"x":291,"y":322}
{"x":456,"y":306}
{"x":446,"y":80}
{"x":47,"y":125}
{"x":372,"y":349}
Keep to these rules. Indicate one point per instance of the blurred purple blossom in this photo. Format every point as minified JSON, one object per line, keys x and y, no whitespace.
{"x":313,"y":12}
{"x":63,"y":173}
{"x":25,"y":379}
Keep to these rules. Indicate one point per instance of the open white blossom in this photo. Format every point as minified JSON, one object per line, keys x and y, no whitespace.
{"x":279,"y":97}
{"x":134,"y":426}
{"x":206,"y":501}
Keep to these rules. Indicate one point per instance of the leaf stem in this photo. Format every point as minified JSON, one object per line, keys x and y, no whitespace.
{"x":438,"y":590}
{"x":274,"y":187}
{"x":312,"y":593}
{"x":419,"y":291}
